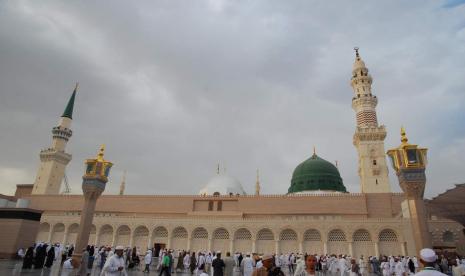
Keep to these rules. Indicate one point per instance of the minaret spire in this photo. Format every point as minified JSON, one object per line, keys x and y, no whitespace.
{"x":68,"y":113}
{"x":257,"y":184}
{"x":123,"y":184}
{"x":369,"y":135}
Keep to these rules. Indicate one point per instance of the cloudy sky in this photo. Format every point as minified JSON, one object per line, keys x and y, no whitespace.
{"x":175,"y":87}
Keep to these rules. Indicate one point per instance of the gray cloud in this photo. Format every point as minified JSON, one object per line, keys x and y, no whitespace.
{"x":173,"y":88}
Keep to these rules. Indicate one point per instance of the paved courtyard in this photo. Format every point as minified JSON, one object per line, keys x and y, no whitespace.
{"x":11,"y":267}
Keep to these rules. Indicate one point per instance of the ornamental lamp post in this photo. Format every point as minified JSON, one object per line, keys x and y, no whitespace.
{"x":93,"y":184}
{"x":409,"y":162}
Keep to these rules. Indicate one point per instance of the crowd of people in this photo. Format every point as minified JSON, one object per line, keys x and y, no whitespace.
{"x":119,"y":260}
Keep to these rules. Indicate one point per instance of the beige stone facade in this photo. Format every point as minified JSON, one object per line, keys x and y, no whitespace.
{"x":355,"y":224}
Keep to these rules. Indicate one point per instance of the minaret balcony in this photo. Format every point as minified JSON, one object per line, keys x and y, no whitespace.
{"x":55,"y":155}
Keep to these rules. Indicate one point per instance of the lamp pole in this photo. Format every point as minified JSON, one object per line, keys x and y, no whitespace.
{"x":93,"y":184}
{"x":409,"y":162}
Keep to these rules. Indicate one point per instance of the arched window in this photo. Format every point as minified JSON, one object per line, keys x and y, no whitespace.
{"x":387,"y":235}
{"x":336,"y":235}
{"x":448,"y":236}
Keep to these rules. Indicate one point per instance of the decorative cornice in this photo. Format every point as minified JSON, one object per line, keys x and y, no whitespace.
{"x":51,"y":154}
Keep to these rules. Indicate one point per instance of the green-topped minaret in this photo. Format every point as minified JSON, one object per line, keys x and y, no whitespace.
{"x":53,"y":160}
{"x":316,"y":175}
{"x":68,"y":113}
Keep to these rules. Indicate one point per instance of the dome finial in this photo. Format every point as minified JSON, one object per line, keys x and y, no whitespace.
{"x":314,"y":150}
{"x":101,"y":153}
{"x":403,"y":136}
{"x":218,"y":169}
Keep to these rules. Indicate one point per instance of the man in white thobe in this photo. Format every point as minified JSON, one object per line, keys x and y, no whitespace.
{"x":115,"y":264}
{"x":247,"y":265}
{"x":363,"y":266}
{"x":428,"y":258}
{"x":342,"y":265}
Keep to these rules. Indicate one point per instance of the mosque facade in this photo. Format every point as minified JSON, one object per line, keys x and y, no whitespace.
{"x":316,"y":215}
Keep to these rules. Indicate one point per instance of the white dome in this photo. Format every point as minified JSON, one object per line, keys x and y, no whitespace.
{"x":224,"y":185}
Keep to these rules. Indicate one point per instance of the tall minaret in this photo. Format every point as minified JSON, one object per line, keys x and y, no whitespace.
{"x":257,"y":184}
{"x":123,"y":184}
{"x":53,"y":160}
{"x":369,"y":136}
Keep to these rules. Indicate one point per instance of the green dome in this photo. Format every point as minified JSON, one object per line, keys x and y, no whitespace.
{"x":316,"y":174}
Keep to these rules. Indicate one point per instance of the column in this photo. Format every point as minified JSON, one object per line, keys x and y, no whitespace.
{"x":254,"y":246}
{"x":301,"y":247}
{"x":325,"y":247}
{"x":210,"y":242}
{"x":113,"y":242}
{"x":97,"y":237}
{"x":131,"y":239}
{"x":49,"y":239}
{"x":65,"y":235}
{"x":376,"y":249}
{"x":351,"y":251}
{"x":168,"y":244}
{"x":403,"y":249}
{"x":149,"y":241}
{"x":231,"y":247}
{"x":189,"y":243}
{"x":276,"y":247}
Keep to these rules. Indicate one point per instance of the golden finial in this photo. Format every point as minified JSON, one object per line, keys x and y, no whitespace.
{"x":101,"y":153}
{"x":356,"y":52}
{"x":336,"y":164}
{"x":403,"y":136}
{"x":218,"y":169}
{"x":314,"y":150}
{"x":76,"y":87}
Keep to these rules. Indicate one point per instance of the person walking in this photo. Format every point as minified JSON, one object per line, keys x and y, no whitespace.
{"x":218,"y":265}
{"x":229,"y":263}
{"x":148,"y":260}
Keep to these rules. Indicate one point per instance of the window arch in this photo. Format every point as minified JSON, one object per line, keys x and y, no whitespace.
{"x":448,"y":236}
{"x":180,"y":233}
{"x":242,"y":234}
{"x":160,"y":232}
{"x":388,"y":235}
{"x":337,"y":235}
{"x":361,"y":235}
{"x":288,"y":235}
{"x":312,"y":235}
{"x":221,"y":234}
{"x":265,"y":235}
{"x":200,"y":233}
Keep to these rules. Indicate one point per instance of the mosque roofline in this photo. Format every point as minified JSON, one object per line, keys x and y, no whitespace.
{"x":225,"y":197}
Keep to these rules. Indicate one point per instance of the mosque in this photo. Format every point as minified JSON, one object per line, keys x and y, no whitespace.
{"x":316,"y":215}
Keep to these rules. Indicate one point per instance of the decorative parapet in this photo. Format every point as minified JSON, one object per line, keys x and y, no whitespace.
{"x":51,"y":154}
{"x":369,"y":134}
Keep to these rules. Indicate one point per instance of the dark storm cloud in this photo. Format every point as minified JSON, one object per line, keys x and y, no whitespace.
{"x":172,"y":88}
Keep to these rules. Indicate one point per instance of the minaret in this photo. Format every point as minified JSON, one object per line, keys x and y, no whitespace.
{"x":369,"y":136}
{"x":123,"y":184}
{"x":53,"y":160}
{"x":257,"y":184}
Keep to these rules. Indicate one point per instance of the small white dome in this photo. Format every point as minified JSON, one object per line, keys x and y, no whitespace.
{"x":223,"y":184}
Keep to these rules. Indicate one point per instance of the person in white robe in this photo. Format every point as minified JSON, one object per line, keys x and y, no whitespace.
{"x":247,"y":265}
{"x":333,"y":265}
{"x":399,"y":268}
{"x":342,"y":266}
{"x":115,"y":265}
{"x":363,"y":266}
{"x":187,"y":261}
